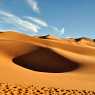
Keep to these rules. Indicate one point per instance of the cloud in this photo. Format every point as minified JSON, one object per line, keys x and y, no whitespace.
{"x":34,"y":5}
{"x":57,"y":30}
{"x":53,"y":28}
{"x":37,"y":21}
{"x":4,"y":30}
{"x":46,"y":25}
{"x":24,"y":25}
{"x":43,"y":23}
{"x":62,"y":31}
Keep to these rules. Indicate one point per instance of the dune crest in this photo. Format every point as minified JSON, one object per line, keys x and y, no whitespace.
{"x":46,"y":60}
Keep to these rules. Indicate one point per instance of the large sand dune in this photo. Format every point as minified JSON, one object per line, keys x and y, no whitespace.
{"x":48,"y":62}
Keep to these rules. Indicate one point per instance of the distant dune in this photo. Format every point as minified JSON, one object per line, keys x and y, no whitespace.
{"x":48,"y":62}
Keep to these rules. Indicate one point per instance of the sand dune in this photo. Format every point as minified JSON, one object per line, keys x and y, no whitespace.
{"x":57,"y":63}
{"x":41,"y":60}
{"x":49,"y":37}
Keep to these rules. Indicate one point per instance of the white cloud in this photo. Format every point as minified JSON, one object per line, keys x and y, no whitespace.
{"x":9,"y":18}
{"x":62,"y":30}
{"x":45,"y":24}
{"x":4,"y":30}
{"x":53,"y":28}
{"x":27,"y":23}
{"x":57,"y":30}
{"x":34,"y":5}
{"x":37,"y":21}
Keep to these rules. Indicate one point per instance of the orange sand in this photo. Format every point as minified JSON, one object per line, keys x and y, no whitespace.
{"x":48,"y":62}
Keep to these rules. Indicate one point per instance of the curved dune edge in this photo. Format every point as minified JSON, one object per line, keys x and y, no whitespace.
{"x":13,"y":89}
{"x":45,"y":60}
{"x":12,"y":73}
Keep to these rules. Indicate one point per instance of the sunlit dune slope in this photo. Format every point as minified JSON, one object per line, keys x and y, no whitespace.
{"x":53,"y":63}
{"x":81,"y":41}
{"x":49,"y":37}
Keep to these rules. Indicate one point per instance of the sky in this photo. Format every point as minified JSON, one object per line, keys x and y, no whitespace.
{"x":61,"y":18}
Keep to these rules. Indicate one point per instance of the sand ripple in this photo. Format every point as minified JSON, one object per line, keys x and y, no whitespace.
{"x":13,"y":89}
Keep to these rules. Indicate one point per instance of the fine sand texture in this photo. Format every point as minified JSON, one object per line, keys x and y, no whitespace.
{"x":46,"y":65}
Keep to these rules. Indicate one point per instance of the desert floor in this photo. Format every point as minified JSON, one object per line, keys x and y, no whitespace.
{"x":32,"y":65}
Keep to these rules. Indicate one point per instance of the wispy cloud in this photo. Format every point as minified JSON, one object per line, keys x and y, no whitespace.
{"x":6,"y":17}
{"x":34,"y":5}
{"x":37,"y":21}
{"x":57,"y":30}
{"x":62,"y":31}
{"x":27,"y":23}
{"x":43,"y":23}
{"x":40,"y":22}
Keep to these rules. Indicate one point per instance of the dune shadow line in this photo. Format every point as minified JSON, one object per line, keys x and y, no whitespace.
{"x":45,"y":60}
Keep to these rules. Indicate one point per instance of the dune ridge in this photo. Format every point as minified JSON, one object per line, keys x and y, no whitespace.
{"x":54,"y":63}
{"x":42,"y":60}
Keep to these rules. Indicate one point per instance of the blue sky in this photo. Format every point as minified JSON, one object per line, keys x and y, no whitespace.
{"x":62,"y":18}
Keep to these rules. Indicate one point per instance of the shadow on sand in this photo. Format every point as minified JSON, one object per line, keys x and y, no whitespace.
{"x":45,"y":60}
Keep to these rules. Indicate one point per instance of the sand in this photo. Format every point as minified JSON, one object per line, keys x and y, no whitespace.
{"x":51,"y":63}
{"x":12,"y":89}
